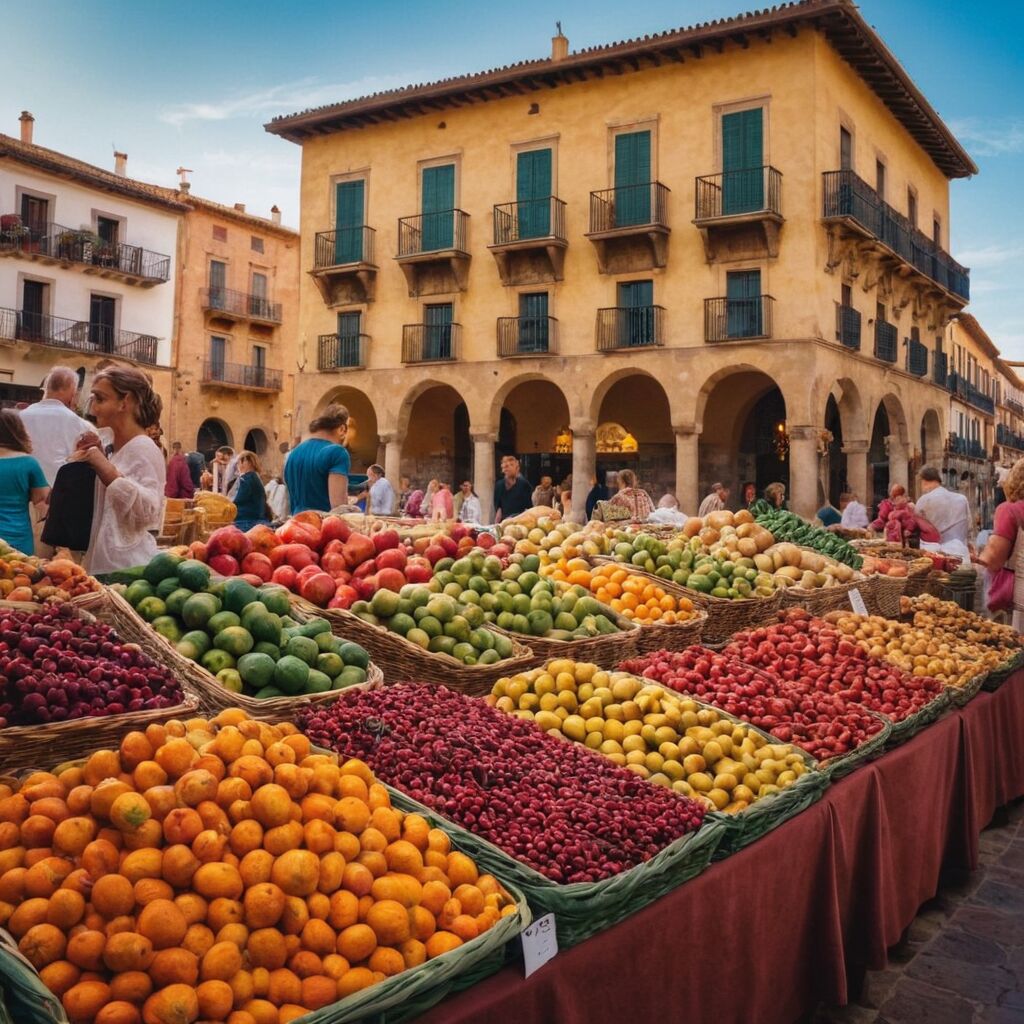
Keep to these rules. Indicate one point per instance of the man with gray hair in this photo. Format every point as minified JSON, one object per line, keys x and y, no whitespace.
{"x":715,"y":501}
{"x":52,"y":424}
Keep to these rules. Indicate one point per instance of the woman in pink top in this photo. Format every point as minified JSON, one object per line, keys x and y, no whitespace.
{"x":441,"y":505}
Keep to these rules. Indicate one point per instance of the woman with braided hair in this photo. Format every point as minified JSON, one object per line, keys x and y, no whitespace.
{"x":129,"y":497}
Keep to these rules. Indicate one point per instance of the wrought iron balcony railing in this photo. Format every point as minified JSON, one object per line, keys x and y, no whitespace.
{"x":917,"y":358}
{"x":886,"y":340}
{"x":629,"y":327}
{"x":430,"y":343}
{"x":735,"y":193}
{"x":1016,"y":405}
{"x":1009,"y":438}
{"x":964,"y":389}
{"x":83,"y":247}
{"x":343,"y":246}
{"x":241,"y":375}
{"x":342,"y":351}
{"x":728,"y":319}
{"x":849,"y":196}
{"x":848,"y":326}
{"x":529,"y":219}
{"x":527,"y":335}
{"x":629,"y":206}
{"x":80,"y":335}
{"x":241,"y":304}
{"x":447,"y":231}
{"x":939,"y":364}
{"x":966,"y":447}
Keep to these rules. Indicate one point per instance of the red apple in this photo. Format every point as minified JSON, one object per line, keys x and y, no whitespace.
{"x":197,"y":550}
{"x":298,"y":556}
{"x":501,"y":550}
{"x":333,"y":547}
{"x":358,"y":549}
{"x":417,"y":572}
{"x":390,"y":579}
{"x":485,"y":540}
{"x":252,"y":579}
{"x":334,"y":528}
{"x":420,"y":544}
{"x":392,"y":558}
{"x":344,"y":597}
{"x":226,"y":565}
{"x":333,"y":563}
{"x":307,"y":571}
{"x":263,"y":538}
{"x":259,"y":565}
{"x":365,"y":569}
{"x":384,"y":540}
{"x":298,"y":531}
{"x":318,"y":589}
{"x":286,"y":576}
{"x":228,"y":540}
{"x":365,"y":586}
{"x":435,"y":553}
{"x":450,"y":546}
{"x":458,"y":531}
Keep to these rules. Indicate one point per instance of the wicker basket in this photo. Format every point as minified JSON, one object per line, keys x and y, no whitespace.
{"x":837,"y":767}
{"x":24,"y":746}
{"x":674,"y":636}
{"x":999,"y":675}
{"x":402,"y":660}
{"x":961,"y":695}
{"x":884,"y":593}
{"x":212,"y":696}
{"x":604,"y":650}
{"x":913,"y":724}
{"x":822,"y":600}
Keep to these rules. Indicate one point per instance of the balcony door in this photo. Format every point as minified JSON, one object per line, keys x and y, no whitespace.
{"x":349,"y":206}
{"x":32,"y":319}
{"x":437,"y":204}
{"x":218,"y":284}
{"x":632,"y":178}
{"x":437,"y":334}
{"x":102,"y":322}
{"x":35,"y":214}
{"x":349,"y":325}
{"x":259,"y":366}
{"x":533,"y":193}
{"x":218,"y":354}
{"x":742,"y":161}
{"x":258,"y":305}
{"x":636,"y":313}
{"x":533,"y":322}
{"x":743,"y":303}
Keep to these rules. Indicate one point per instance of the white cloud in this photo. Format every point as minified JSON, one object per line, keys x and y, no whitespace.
{"x":992,"y":256}
{"x":990,"y":136}
{"x":285,"y":98}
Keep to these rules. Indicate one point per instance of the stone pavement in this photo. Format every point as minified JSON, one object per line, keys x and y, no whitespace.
{"x":961,"y":961}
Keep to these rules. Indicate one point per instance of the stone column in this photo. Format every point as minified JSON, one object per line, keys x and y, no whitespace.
{"x":803,"y":471}
{"x":856,"y":453}
{"x":687,"y":469}
{"x":584,"y":466}
{"x":898,"y":456}
{"x":483,"y":473}
{"x":392,"y":459}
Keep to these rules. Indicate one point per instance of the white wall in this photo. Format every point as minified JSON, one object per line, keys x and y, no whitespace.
{"x":145,"y":310}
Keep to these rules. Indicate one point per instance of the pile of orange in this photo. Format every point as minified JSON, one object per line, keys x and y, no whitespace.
{"x":635,"y":597}
{"x":221,"y":871}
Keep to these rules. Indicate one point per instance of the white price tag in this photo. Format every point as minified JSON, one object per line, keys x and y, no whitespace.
{"x":857,"y":602}
{"x":540,"y":943}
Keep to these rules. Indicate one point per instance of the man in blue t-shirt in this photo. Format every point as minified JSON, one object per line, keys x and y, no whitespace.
{"x":316,"y":473}
{"x":512,"y":493}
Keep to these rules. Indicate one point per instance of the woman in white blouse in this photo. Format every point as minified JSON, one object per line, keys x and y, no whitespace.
{"x":129,"y":500}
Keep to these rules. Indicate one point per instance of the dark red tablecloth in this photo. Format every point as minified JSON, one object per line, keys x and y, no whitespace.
{"x":782,"y":925}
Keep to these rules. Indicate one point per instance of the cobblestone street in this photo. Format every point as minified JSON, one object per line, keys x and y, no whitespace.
{"x":961,"y":961}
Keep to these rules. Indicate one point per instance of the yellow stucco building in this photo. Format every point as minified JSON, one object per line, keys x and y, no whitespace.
{"x":727,"y":243}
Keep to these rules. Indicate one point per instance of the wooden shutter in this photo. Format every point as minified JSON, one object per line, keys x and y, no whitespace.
{"x":743,"y":303}
{"x":437,"y":206}
{"x":632,"y":178}
{"x":742,"y":160}
{"x":533,"y":192}
{"x":636,"y":313}
{"x":533,"y":322}
{"x":349,"y":204}
{"x":348,"y":338}
{"x":437,"y":342}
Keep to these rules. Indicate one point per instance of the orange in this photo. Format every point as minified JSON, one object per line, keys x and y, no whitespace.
{"x":219,"y":880}
{"x":245,"y":837}
{"x":404,"y":889}
{"x":129,"y":811}
{"x":289,"y":1012}
{"x":85,"y":950}
{"x":223,"y":911}
{"x":319,"y":836}
{"x":73,"y":835}
{"x":385,"y":818}
{"x":176,"y":1004}
{"x":461,"y":869}
{"x":128,"y":951}
{"x":389,"y":920}
{"x":285,"y":987}
{"x":318,"y":937}
{"x":295,"y":915}
{"x":174,"y":966}
{"x":176,"y":757}
{"x":147,"y":863}
{"x":386,"y":960}
{"x":271,"y":805}
{"x":435,"y":895}
{"x":221,"y":962}
{"x":66,"y":909}
{"x":255,"y":867}
{"x":209,"y":845}
{"x":148,"y":889}
{"x":261,"y":1011}
{"x":113,"y":895}
{"x":266,"y":948}
{"x":374,"y":861}
{"x":83,"y":1001}
{"x":131,"y":986}
{"x":465,"y":927}
{"x":237,"y":934}
{"x":351,"y":814}
{"x":355,"y":980}
{"x":414,"y":952}
{"x":319,"y":905}
{"x":357,"y":942}
{"x":162,"y":923}
{"x":318,"y":991}
{"x":103,"y":764}
{"x":441,"y":942}
{"x":99,"y":858}
{"x":59,"y":976}
{"x":264,"y":905}
{"x":438,"y":841}
{"x":305,"y":963}
{"x":296,"y":872}
{"x":42,"y":944}
{"x":179,"y":865}
{"x":402,"y":856}
{"x":162,"y":800}
{"x":215,"y":1000}
{"x":198,"y":940}
{"x":283,"y":838}
{"x":344,"y":909}
{"x":182,"y":825}
{"x":195,"y":786}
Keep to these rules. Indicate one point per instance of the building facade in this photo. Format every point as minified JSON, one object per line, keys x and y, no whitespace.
{"x":88,"y":268}
{"x":1009,"y":413}
{"x":715,"y":253}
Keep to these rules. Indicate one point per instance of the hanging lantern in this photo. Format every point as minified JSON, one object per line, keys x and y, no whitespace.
{"x":780,"y":441}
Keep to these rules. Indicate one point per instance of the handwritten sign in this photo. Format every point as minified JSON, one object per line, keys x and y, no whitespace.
{"x":540,"y":943}
{"x":857,"y":602}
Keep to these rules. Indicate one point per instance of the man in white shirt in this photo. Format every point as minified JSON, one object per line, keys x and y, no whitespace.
{"x":715,"y":501}
{"x":52,"y":424}
{"x":855,"y":515}
{"x":948,"y":511}
{"x":381,"y":501}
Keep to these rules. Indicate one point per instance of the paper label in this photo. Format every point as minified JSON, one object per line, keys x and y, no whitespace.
{"x":540,"y":943}
{"x":857,"y":602}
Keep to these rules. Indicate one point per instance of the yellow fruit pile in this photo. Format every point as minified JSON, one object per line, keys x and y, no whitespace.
{"x":930,"y":612}
{"x":920,"y":650}
{"x":635,"y":597}
{"x":662,"y":736}
{"x":221,"y":871}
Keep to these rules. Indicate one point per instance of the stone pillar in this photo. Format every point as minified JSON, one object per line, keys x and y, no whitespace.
{"x":584,"y":466}
{"x":687,"y":469}
{"x":483,"y":473}
{"x":392,"y":459}
{"x":856,"y":453}
{"x":803,"y":471}
{"x":898,"y":456}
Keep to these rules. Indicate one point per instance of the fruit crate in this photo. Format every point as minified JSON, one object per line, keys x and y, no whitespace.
{"x":396,"y":999}
{"x":603,"y":650}
{"x":24,"y":746}
{"x":400,"y":659}
{"x":212,"y":696}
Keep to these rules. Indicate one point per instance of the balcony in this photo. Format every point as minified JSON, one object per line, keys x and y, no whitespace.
{"x":342,"y":351}
{"x":886,"y":341}
{"x":54,"y":244}
{"x":238,"y":375}
{"x":854,"y":212}
{"x":233,"y":305}
{"x":433,"y":252}
{"x":626,"y":328}
{"x":431,"y":343}
{"x":527,"y":336}
{"x":848,"y":326}
{"x":629,"y":227}
{"x":939,"y":362}
{"x":728,"y":319}
{"x":77,"y":335}
{"x":917,"y":358}
{"x":1008,"y":438}
{"x":343,"y":265}
{"x":967,"y":392}
{"x":965,"y":448}
{"x":739,"y":213}
{"x":1015,"y":405}
{"x":529,"y":241}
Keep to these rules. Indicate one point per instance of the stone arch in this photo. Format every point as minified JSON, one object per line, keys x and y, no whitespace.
{"x":797,"y":400}
{"x":896,"y":414}
{"x":433,"y":423}
{"x":362,"y":440}
{"x":931,"y":441}
{"x":600,"y":392}
{"x":852,"y":414}
{"x":531,"y":415}
{"x":492,"y":420}
{"x":213,"y":433}
{"x":256,"y":441}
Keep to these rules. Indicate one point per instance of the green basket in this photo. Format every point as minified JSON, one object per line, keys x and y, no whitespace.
{"x":913,"y":724}
{"x":837,"y":767}
{"x":999,"y":675}
{"x":582,"y":909}
{"x":961,"y":695}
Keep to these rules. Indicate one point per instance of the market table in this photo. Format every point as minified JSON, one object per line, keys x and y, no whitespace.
{"x":795,"y":918}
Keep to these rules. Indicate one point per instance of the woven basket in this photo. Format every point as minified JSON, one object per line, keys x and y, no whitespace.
{"x":883,"y":597}
{"x":999,"y":675}
{"x":24,"y":746}
{"x":582,"y":909}
{"x":913,"y":724}
{"x":402,"y":660}
{"x":919,"y":576}
{"x":961,"y":695}
{"x":822,"y":600}
{"x":212,"y":696}
{"x":837,"y":767}
{"x":674,"y":636}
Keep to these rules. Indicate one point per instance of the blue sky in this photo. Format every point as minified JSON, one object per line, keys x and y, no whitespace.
{"x":191,"y":83}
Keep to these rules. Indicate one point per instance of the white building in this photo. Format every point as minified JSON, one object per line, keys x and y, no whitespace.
{"x":88,"y":267}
